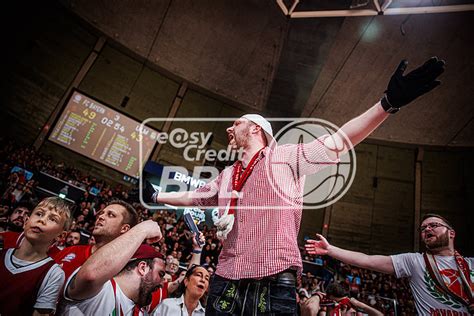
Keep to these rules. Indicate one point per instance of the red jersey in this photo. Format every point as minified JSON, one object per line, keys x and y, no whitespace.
{"x":10,"y":239}
{"x":13,"y":240}
{"x":20,"y":288}
{"x":53,"y":251}
{"x":71,"y":258}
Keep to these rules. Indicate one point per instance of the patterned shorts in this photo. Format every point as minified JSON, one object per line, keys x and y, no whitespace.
{"x":275,"y":295}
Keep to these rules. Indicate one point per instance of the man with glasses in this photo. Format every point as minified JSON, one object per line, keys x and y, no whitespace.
{"x":441,"y":279}
{"x":119,"y":278}
{"x":172,"y":268}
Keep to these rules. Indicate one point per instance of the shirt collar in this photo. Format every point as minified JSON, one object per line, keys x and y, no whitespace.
{"x":199,"y":308}
{"x":263,"y":153}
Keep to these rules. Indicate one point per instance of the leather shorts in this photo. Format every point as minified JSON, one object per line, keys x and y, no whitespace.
{"x":274,"y":294}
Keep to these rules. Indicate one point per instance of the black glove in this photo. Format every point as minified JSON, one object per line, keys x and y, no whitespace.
{"x":402,"y":90}
{"x":148,"y":192}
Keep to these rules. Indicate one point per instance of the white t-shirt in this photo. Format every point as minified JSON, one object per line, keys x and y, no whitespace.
{"x":176,"y":307}
{"x":103,"y":303}
{"x":50,"y":287}
{"x":428,"y":300}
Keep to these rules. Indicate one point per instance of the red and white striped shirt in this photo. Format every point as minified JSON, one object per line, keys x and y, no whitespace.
{"x":263,"y":240}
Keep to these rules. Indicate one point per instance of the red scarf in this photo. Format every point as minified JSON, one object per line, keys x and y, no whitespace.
{"x":239,"y":179}
{"x":463,"y":269}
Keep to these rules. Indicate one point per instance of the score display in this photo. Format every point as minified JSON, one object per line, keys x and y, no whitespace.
{"x":98,"y":132}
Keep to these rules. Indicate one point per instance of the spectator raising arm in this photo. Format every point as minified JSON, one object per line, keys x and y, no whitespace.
{"x":195,"y":260}
{"x":109,"y":260}
{"x":197,"y":250}
{"x":375,"y":262}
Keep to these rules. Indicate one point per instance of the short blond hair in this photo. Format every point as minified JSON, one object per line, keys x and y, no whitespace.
{"x":59,"y":205}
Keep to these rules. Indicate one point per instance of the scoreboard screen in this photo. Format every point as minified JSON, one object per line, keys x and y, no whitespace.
{"x":100,"y":133}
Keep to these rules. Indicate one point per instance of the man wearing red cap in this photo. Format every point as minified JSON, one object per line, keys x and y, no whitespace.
{"x":119,"y":278}
{"x":260,"y":256}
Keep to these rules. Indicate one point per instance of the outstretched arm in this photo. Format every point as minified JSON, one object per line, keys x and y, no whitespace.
{"x":366,"y":309}
{"x":401,"y":90}
{"x":356,"y":130}
{"x":150,"y":195}
{"x":175,"y":198}
{"x":109,"y":260}
{"x":186,"y":198}
{"x":375,"y":262}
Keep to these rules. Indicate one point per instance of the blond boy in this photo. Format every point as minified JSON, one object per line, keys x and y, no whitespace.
{"x":31,"y":281}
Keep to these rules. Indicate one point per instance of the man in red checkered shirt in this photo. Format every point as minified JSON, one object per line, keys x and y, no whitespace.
{"x":260,"y":258}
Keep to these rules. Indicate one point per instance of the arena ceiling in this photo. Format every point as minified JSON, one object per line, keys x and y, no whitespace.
{"x":265,"y":59}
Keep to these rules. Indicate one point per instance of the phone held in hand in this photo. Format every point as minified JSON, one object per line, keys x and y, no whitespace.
{"x":188,"y":219}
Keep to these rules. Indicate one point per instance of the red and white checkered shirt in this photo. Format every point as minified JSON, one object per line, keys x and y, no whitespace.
{"x":263,"y":241}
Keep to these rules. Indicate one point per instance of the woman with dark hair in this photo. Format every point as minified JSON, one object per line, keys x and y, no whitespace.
{"x":194,"y":286}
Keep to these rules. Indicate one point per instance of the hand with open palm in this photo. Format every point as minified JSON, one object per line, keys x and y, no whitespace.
{"x":317,"y":247}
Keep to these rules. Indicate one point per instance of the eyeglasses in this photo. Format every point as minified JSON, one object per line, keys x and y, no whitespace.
{"x":432,"y":226}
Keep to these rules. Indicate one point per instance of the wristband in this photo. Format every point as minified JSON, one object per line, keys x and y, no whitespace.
{"x":387,"y":106}
{"x":197,"y":251}
{"x":154,"y":197}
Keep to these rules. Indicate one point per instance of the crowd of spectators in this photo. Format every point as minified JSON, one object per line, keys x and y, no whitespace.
{"x":375,"y":289}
